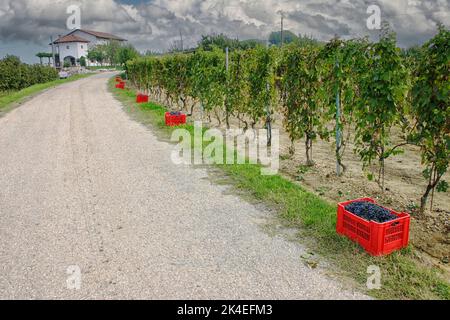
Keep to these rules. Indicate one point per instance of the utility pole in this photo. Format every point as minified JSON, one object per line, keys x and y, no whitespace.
{"x":282,"y":29}
{"x":53,"y":51}
{"x":227,"y":61}
{"x":181,"y":41}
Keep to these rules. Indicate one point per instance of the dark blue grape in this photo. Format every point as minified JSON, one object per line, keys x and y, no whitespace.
{"x":370,"y":212}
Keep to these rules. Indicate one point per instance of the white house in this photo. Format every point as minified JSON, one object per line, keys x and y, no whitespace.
{"x":77,"y":43}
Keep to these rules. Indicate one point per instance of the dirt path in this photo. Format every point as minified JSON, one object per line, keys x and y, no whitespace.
{"x":83,"y":185}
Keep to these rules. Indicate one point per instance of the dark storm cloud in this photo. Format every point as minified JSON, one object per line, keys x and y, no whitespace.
{"x":327,"y":26}
{"x":155,"y":24}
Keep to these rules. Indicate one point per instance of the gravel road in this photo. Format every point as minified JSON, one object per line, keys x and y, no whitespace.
{"x":83,"y":186}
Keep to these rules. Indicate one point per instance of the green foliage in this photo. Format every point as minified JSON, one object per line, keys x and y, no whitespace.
{"x":237,"y":85}
{"x":288,"y":37}
{"x":340,"y":68}
{"x":113,"y":53}
{"x":251,"y":44}
{"x":209,"y":78}
{"x":126,"y":53}
{"x":303,"y":108}
{"x":259,"y":64}
{"x":42,"y":55}
{"x":83,"y":61}
{"x":96,"y":54}
{"x":15,"y":75}
{"x":377,"y":85}
{"x":383,"y":84}
{"x":176,"y":77}
{"x":221,"y":41}
{"x":431,"y":109}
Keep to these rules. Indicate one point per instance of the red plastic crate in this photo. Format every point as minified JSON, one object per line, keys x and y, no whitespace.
{"x":119,"y":79}
{"x":141,"y":98}
{"x":175,"y":120}
{"x":120,"y":86}
{"x":378,"y":239}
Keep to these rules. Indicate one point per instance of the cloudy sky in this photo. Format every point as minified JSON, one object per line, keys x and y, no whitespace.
{"x":26,"y":25}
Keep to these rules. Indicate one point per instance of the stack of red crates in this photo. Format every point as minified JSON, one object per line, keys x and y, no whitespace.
{"x":378,"y":239}
{"x":120,"y":85}
{"x":142,"y":98}
{"x":175,"y":120}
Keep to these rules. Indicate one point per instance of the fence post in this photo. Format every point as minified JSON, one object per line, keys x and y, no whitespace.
{"x":227,"y":107}
{"x":338,"y":117}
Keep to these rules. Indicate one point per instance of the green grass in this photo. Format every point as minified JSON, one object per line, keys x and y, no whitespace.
{"x":9,"y":99}
{"x":403,"y":277}
{"x":108,"y":67}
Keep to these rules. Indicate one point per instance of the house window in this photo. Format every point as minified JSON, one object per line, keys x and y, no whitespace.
{"x":68,"y":47}
{"x":81,"y":46}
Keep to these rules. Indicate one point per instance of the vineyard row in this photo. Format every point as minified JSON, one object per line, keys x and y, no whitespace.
{"x":323,"y":91}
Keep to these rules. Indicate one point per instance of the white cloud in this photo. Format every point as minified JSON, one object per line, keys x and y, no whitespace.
{"x":156,"y":23}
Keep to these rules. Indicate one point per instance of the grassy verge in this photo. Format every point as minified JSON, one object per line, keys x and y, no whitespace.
{"x":9,"y":99}
{"x":106,"y":68}
{"x":403,"y":276}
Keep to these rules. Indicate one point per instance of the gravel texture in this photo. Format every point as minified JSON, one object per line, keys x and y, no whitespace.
{"x":82,"y":184}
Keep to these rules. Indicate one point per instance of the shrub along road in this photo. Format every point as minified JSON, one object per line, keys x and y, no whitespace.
{"x":81,"y":184}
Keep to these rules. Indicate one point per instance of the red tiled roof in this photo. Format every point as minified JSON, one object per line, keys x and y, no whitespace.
{"x":70,"y":38}
{"x":102,"y":35}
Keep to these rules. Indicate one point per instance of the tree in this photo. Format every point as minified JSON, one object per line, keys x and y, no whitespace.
{"x":105,"y":52}
{"x":83,"y":61}
{"x":126,"y":53}
{"x":151,"y":53}
{"x":221,"y":41}
{"x":111,"y":50}
{"x":96,"y":54}
{"x":15,"y":75}
{"x":251,"y":44}
{"x":49,"y":56}
{"x":40,"y":55}
{"x":431,"y":111}
{"x":288,"y":37}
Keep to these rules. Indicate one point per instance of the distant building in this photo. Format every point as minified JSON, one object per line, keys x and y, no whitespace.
{"x":77,"y":43}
